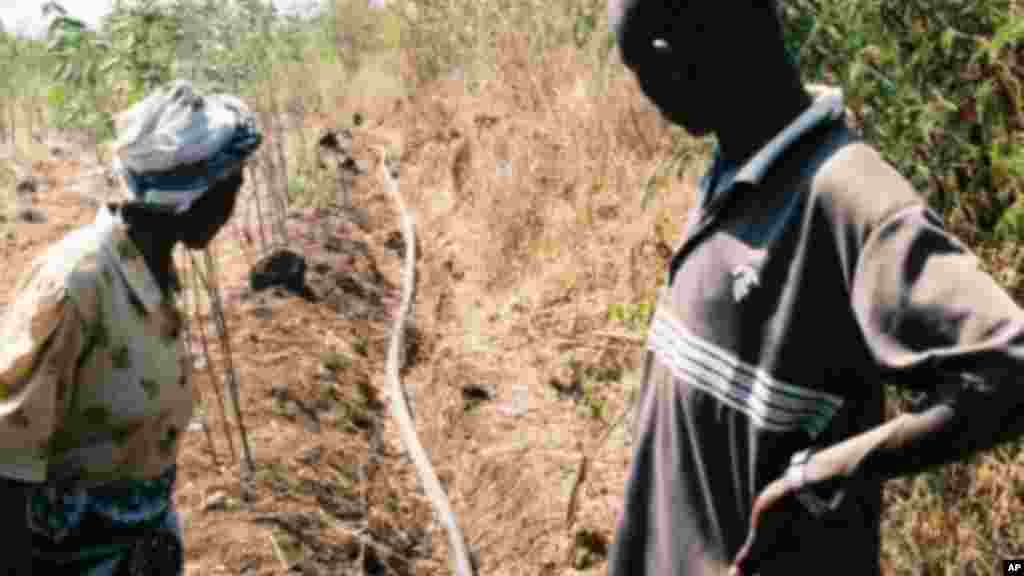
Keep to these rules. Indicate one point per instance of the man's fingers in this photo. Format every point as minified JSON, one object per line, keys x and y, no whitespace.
{"x":767,"y":520}
{"x":742,"y":561}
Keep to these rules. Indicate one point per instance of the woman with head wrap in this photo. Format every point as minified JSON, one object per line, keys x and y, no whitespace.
{"x":95,"y":388}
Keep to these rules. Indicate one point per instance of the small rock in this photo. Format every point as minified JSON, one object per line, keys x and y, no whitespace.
{"x":518,"y":405}
{"x":216,"y":501}
{"x":312,"y":426}
{"x":282,"y":268}
{"x":264,"y":312}
{"x":335,"y":141}
{"x":31,"y":215}
{"x":474,"y":394}
{"x":395,"y":242}
{"x":26,"y":187}
{"x":310,"y":456}
{"x":351,"y":165}
{"x":591,"y":547}
{"x":372,"y":564}
{"x":279,"y":391}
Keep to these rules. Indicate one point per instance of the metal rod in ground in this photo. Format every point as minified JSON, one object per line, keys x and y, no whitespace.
{"x":461,"y":564}
{"x":187,"y":330}
{"x":197,"y":277}
{"x":280,"y":192}
{"x":259,"y":211}
{"x":229,"y":371}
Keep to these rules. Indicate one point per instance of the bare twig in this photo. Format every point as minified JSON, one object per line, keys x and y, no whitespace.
{"x":279,"y":552}
{"x":581,"y":477}
{"x":259,"y":210}
{"x":586,"y":456}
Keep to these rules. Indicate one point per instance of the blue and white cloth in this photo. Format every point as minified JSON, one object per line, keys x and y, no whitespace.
{"x":93,"y":531}
{"x":175,"y":144}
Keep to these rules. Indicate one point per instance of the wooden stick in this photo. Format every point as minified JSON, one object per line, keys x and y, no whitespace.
{"x":196,"y":278}
{"x":229,"y":371}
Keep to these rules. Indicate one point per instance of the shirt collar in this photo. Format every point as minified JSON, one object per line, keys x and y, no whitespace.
{"x":828,"y":106}
{"x":114,"y":239}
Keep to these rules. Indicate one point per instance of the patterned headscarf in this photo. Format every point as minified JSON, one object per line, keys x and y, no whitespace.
{"x":175,"y":144}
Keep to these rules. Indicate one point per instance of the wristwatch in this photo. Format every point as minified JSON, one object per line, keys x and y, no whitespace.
{"x":797,"y":475}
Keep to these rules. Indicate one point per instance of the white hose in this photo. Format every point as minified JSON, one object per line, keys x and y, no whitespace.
{"x":399,"y":406}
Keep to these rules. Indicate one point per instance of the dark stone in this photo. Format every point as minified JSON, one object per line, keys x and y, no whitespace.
{"x":31,"y":215}
{"x":26,"y":187}
{"x":373,"y":565}
{"x":475,"y":394}
{"x":395,"y":242}
{"x":282,"y":268}
{"x":349,"y":164}
{"x":329,"y":140}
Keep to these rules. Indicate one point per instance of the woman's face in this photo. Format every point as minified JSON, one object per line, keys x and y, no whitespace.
{"x":205,"y":218}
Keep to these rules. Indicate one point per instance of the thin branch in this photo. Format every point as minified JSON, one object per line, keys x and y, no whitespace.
{"x":230,"y":374}
{"x":196,"y":277}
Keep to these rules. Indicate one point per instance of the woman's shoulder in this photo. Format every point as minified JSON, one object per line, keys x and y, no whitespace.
{"x":71,"y":268}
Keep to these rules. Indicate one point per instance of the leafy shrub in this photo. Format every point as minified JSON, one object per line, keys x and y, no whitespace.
{"x":936,"y":86}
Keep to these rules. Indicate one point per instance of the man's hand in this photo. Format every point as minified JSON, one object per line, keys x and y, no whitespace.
{"x":768,"y":522}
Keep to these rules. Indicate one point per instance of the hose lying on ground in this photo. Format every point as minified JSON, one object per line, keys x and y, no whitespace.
{"x":399,"y":406}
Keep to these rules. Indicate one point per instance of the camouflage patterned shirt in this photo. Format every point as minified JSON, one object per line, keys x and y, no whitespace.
{"x":94,"y":379}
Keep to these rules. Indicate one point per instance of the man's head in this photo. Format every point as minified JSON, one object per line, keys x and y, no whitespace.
{"x":698,"y":60}
{"x":182,"y":153}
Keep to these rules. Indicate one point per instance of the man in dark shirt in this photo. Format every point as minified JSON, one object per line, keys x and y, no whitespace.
{"x":810,"y":272}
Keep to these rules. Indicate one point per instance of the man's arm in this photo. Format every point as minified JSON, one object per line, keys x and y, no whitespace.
{"x":935,"y":322}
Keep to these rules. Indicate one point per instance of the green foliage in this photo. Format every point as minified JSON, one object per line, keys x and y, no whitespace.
{"x":143,"y":36}
{"x":936,"y":87}
{"x":585,"y":21}
{"x":636,"y":317}
{"x":143,"y":44}
{"x":78,"y":58}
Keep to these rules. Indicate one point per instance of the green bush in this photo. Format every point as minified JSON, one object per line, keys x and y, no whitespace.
{"x":937,"y":87}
